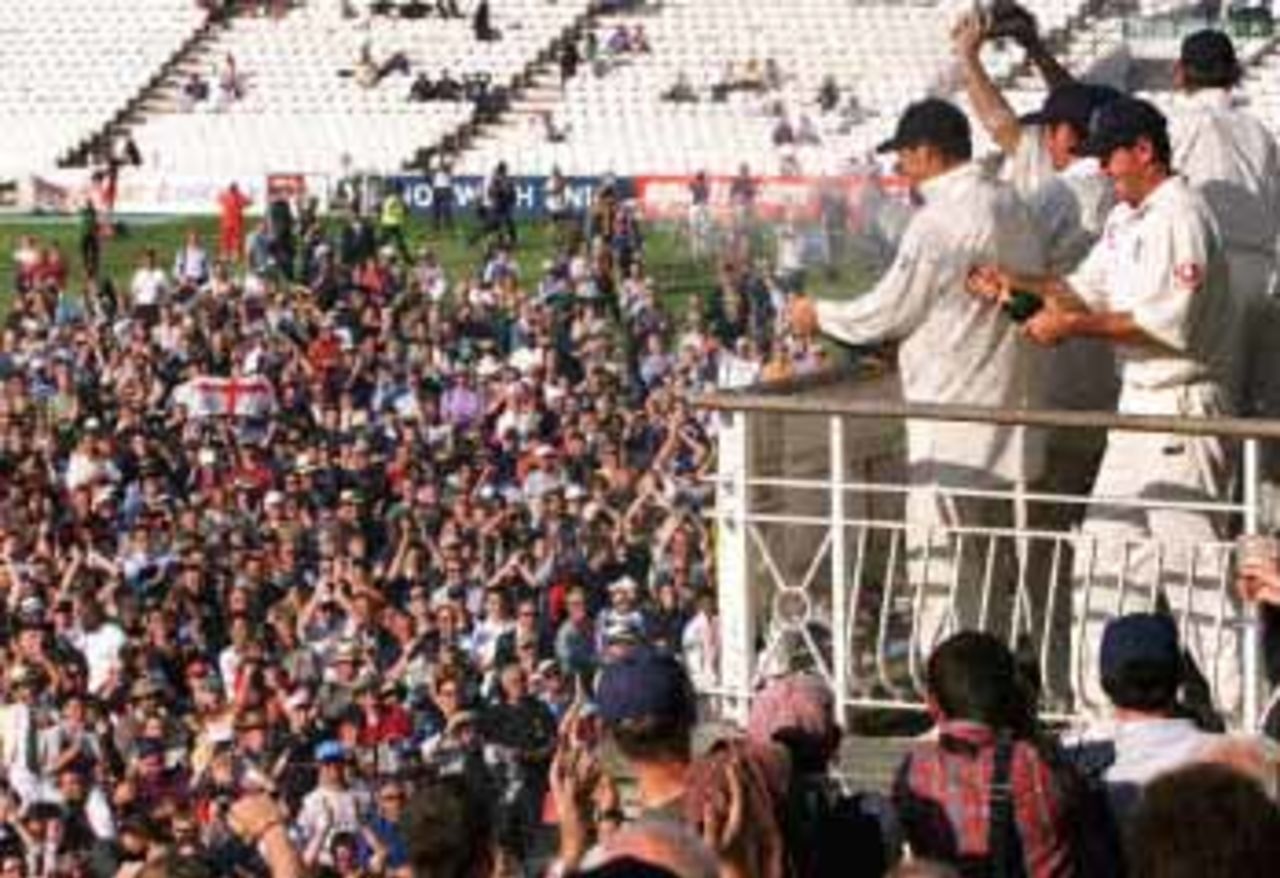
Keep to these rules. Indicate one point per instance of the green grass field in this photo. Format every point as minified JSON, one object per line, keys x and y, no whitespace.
{"x":674,"y":269}
{"x":676,"y":273}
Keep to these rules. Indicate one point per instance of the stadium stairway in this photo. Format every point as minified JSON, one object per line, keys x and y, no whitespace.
{"x":304,"y":110}
{"x":197,"y":56}
{"x":83,"y":153}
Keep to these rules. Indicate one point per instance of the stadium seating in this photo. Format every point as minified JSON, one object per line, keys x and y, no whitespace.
{"x":885,"y":54}
{"x":68,"y":67}
{"x":71,"y":66}
{"x":302,"y":108}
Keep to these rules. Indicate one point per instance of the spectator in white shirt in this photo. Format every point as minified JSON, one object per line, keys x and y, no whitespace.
{"x":149,"y":288}
{"x":332,"y":807}
{"x":191,"y":262}
{"x":100,"y":641}
{"x":1141,"y":667}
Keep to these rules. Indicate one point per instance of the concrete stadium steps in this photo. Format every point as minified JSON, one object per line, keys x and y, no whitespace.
{"x":304,"y":110}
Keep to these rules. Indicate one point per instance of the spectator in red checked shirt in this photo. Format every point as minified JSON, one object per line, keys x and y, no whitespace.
{"x":944,"y":789}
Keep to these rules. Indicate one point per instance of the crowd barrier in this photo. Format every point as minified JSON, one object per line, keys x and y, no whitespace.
{"x":819,"y":567}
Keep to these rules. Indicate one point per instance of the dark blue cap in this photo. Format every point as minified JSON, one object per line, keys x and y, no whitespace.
{"x":1210,"y":54}
{"x":1073,"y":103}
{"x":1147,"y":639}
{"x":645,"y":684}
{"x":932,"y":121}
{"x":1122,"y":123}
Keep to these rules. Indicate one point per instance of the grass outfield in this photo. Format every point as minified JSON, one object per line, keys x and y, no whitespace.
{"x":676,"y":273}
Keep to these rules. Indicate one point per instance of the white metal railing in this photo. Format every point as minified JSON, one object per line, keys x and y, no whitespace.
{"x":810,"y":568}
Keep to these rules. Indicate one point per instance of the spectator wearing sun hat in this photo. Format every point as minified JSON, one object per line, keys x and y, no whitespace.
{"x":623,"y":617}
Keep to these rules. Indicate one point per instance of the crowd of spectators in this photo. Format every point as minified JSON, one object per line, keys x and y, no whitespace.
{"x":382,"y":615}
{"x":305,"y":521}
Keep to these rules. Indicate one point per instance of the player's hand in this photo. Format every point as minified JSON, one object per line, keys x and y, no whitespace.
{"x":988,"y":282}
{"x":968,"y":35}
{"x":251,"y":816}
{"x":1050,"y":325}
{"x":1258,"y":581}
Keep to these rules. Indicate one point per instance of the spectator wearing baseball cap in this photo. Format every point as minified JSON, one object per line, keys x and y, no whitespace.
{"x":332,"y":807}
{"x":1147,"y":734}
{"x":647,"y":706}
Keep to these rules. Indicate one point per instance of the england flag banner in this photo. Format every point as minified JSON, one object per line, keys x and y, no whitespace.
{"x":242,"y":397}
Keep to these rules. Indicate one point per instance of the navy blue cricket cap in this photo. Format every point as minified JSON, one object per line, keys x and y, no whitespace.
{"x":646,"y":684}
{"x":1123,"y":122}
{"x":1210,"y":54}
{"x":932,"y":121}
{"x":1146,"y":639}
{"x":1074,"y":103}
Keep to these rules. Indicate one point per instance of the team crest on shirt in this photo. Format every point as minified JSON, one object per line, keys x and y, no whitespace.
{"x":1189,"y":275}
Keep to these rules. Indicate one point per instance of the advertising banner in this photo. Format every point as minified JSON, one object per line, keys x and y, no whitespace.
{"x":141,"y":192}
{"x":291,"y":187}
{"x":468,"y":192}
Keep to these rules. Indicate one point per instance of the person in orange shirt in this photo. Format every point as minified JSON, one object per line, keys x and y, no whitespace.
{"x":231,"y":204}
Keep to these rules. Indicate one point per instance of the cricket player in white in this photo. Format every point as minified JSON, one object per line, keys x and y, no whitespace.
{"x":1156,"y":287}
{"x":953,"y":349}
{"x":1232,"y":159}
{"x":1070,"y":198}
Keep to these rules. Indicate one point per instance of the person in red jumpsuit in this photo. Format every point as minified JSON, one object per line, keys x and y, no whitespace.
{"x":231,"y":204}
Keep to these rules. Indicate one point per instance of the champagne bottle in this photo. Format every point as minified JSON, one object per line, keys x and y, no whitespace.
{"x":1022,"y":305}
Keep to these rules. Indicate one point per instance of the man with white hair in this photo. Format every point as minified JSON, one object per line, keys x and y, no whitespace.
{"x":623,"y":612}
